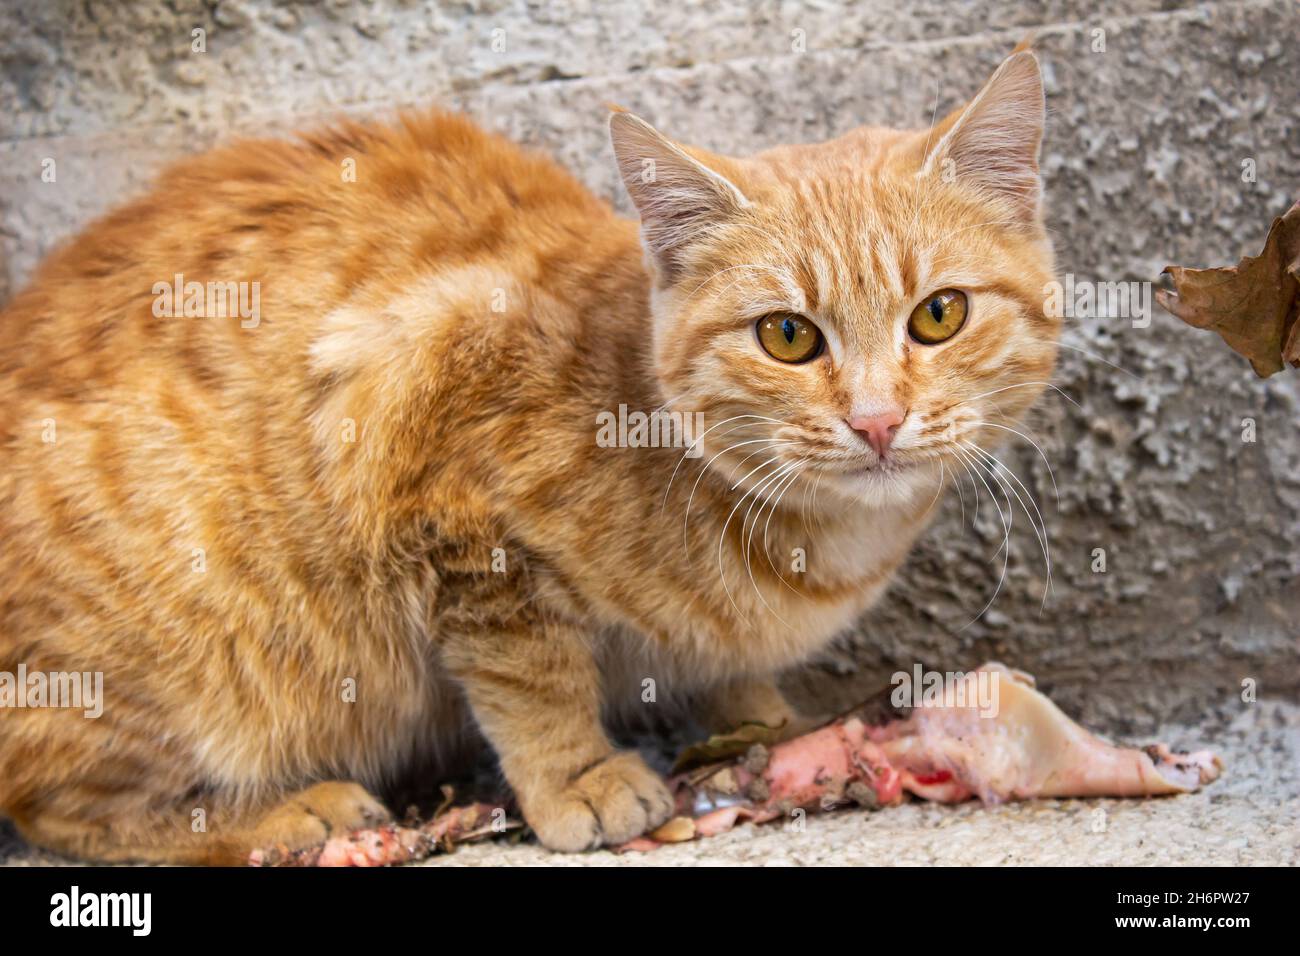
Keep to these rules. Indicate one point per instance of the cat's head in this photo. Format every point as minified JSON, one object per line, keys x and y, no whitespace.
{"x":874,"y":304}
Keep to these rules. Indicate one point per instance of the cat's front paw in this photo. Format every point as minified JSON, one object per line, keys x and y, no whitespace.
{"x":610,"y":803}
{"x":313,"y":815}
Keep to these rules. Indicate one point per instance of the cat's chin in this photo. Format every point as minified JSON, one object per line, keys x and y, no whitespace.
{"x":890,"y":485}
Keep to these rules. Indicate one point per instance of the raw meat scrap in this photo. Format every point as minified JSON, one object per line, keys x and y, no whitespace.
{"x":393,"y":843}
{"x":948,"y":751}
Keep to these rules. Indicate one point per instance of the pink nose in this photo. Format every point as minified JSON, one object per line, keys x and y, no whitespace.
{"x":878,"y":429}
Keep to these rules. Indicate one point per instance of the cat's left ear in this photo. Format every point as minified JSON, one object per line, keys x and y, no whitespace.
{"x":679,"y":197}
{"x":992,"y":144}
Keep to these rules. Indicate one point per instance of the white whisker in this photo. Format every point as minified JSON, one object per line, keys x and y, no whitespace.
{"x":722,"y":574}
{"x":1042,"y":524}
{"x":1041,"y":454}
{"x":1006,"y":541}
{"x":1098,"y":358}
{"x":1008,"y":388}
{"x":686,"y":454}
{"x":794,"y":476}
{"x":690,"y":500}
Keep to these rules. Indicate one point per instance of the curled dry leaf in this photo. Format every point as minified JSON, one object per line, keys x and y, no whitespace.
{"x":1254,"y":305}
{"x":724,"y":746}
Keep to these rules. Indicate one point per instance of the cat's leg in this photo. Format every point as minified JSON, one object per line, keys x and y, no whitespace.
{"x":227,"y":835}
{"x":724,"y":707}
{"x":114,"y":790}
{"x":535,"y":691}
{"x":316,"y":813}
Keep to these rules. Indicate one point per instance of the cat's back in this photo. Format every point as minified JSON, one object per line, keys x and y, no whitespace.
{"x":158,"y":397}
{"x":223,"y":274}
{"x":354,"y":210}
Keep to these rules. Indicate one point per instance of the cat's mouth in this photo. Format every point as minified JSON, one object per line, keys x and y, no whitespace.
{"x":882,"y":468}
{"x":890,"y":474}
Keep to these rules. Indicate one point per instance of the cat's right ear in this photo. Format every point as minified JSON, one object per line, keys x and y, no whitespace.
{"x":992,"y":143}
{"x":679,"y":198}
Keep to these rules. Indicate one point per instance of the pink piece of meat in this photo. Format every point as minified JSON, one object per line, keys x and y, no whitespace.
{"x":991,"y":735}
{"x":1029,"y":748}
{"x":392,"y":843}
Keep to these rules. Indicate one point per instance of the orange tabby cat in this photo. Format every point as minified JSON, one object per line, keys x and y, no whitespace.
{"x":351,"y":510}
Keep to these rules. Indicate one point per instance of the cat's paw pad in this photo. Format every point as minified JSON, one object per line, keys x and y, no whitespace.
{"x":610,"y":803}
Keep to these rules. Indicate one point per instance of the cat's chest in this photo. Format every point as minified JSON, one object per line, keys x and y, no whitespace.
{"x":757,"y":606}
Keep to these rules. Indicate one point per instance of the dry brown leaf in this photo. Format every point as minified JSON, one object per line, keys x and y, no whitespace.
{"x":1253,"y":305}
{"x":725,"y":746}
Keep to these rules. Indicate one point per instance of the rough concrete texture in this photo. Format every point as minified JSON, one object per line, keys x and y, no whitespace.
{"x":1143,"y":165}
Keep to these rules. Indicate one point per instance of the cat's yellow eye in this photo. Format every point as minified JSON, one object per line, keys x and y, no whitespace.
{"x":788,"y":337}
{"x":938,"y":318}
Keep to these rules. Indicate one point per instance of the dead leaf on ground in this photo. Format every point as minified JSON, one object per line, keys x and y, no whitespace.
{"x":1253,"y":305}
{"x":725,"y":746}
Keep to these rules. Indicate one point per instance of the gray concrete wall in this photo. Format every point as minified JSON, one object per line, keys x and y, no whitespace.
{"x":1143,"y":164}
